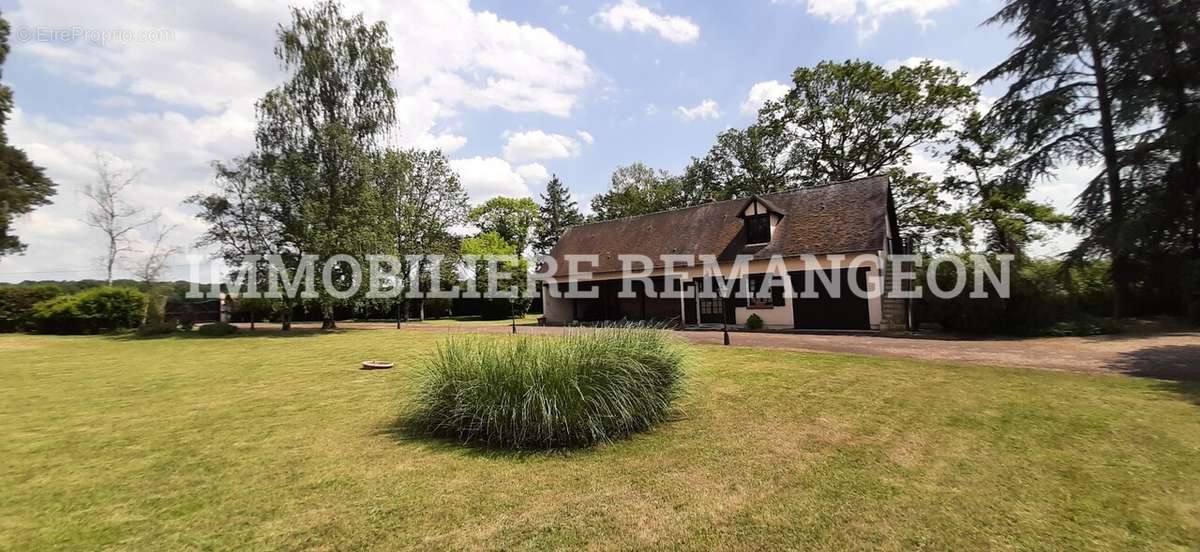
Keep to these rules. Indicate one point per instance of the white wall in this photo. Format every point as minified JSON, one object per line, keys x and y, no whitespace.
{"x":560,"y":310}
{"x":557,"y":310}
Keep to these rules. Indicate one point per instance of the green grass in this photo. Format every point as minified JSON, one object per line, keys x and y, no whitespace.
{"x":263,"y":442}
{"x":525,"y":392}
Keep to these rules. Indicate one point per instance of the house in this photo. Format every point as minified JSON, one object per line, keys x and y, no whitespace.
{"x":829,"y":239}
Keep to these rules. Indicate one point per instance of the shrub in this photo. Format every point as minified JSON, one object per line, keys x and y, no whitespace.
{"x":217,"y":329}
{"x":542,"y":392}
{"x":1046,"y":298}
{"x":754,"y":322}
{"x":501,"y":309}
{"x":156,"y":328}
{"x":16,"y":304}
{"x":90,"y":311}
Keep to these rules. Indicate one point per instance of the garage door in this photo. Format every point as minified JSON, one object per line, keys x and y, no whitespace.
{"x":847,"y":311}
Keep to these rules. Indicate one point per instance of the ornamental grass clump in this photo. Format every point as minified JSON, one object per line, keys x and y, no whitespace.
{"x":591,"y":386}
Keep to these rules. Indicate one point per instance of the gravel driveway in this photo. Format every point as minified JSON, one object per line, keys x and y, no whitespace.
{"x":1173,"y":355}
{"x":1167,"y":355}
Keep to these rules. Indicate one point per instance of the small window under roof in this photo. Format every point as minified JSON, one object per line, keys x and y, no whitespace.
{"x":758,"y":228}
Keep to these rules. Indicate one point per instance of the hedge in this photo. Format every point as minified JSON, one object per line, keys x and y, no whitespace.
{"x":90,"y":311}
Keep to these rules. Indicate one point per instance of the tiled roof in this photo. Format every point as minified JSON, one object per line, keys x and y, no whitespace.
{"x":841,"y":217}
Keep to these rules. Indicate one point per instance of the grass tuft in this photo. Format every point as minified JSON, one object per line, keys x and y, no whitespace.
{"x":589,"y":387}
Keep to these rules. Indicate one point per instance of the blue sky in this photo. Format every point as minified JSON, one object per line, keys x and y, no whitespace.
{"x":512,"y":91}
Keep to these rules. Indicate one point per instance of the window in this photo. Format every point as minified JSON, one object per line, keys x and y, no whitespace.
{"x":758,"y":228}
{"x":773,"y":299}
{"x":711,"y":306}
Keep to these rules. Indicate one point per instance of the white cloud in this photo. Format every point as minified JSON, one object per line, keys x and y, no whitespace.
{"x":628,"y":14}
{"x":869,"y":14}
{"x":585,"y":136}
{"x":535,"y":144}
{"x":488,"y":177}
{"x":115,"y":102}
{"x":706,"y":109}
{"x":533,"y":173}
{"x":761,"y":93}
{"x":651,"y":109}
{"x":192,"y":97}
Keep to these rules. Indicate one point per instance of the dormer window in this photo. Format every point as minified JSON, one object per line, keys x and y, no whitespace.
{"x":759,"y":218}
{"x":758,"y":228}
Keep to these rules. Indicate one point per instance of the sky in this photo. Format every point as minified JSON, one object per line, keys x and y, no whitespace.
{"x":512,"y":92}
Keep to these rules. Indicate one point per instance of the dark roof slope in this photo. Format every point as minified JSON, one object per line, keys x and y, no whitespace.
{"x":842,"y":217}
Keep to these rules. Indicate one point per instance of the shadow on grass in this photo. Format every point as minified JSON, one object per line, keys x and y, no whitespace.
{"x":1176,"y":367}
{"x":404,"y":430}
{"x":272,"y":333}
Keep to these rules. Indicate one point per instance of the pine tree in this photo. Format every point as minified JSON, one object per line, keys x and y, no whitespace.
{"x":557,"y":212}
{"x":1062,"y":106}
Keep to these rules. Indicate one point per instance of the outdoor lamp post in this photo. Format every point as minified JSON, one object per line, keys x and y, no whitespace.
{"x":725,"y":327}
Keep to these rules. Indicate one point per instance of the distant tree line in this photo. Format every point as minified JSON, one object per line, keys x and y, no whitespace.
{"x":1108,"y":83}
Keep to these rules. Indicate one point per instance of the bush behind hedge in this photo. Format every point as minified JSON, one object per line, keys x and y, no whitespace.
{"x":93,"y":310}
{"x":589,"y":387}
{"x":16,"y":304}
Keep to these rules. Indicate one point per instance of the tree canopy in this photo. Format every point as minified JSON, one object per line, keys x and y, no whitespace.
{"x":24,"y":186}
{"x":638,"y":189}
{"x":513,"y":219}
{"x":319,"y":131}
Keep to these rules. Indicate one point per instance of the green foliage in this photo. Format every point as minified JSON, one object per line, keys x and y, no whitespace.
{"x":557,"y":212}
{"x":217,"y":329}
{"x":638,"y":190}
{"x":16,"y":304}
{"x":503,"y":309}
{"x":424,"y":198}
{"x":319,"y":135}
{"x":757,"y":160}
{"x":150,"y":329}
{"x":842,"y":121}
{"x":855,"y":118}
{"x":923,"y":214}
{"x":541,"y":393}
{"x":513,"y":219}
{"x":90,"y":311}
{"x":1191,"y":289}
{"x":1091,"y":82}
{"x":490,"y":243}
{"x":754,"y":322}
{"x":487,"y":243}
{"x":23,"y":185}
{"x":1046,"y":298}
{"x":997,"y":196}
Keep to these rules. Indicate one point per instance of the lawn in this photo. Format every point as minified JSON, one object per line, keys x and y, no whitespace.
{"x":266,"y":442}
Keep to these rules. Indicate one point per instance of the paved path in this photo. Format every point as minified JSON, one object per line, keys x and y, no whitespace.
{"x":1170,"y":355}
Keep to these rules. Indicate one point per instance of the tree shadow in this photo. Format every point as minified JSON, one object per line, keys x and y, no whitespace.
{"x":404,"y":430}
{"x":270,"y":333}
{"x":1176,"y":367}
